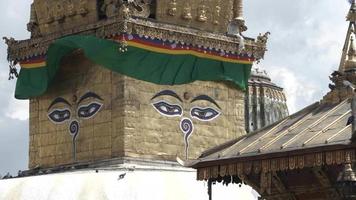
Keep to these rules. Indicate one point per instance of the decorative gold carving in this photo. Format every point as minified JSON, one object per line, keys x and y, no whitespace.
{"x":283,"y":164}
{"x":286,"y":163}
{"x":301,"y":162}
{"x":208,"y":15}
{"x":292,"y":163}
{"x":274,"y":165}
{"x":58,"y":11}
{"x":256,"y":167}
{"x":247,"y":168}
{"x":83,"y":7}
{"x":70,"y":9}
{"x":109,"y":8}
{"x":125,"y":10}
{"x":239,"y":168}
{"x":266,"y":165}
{"x":217,"y":15}
{"x":49,"y":13}
{"x":223,"y":170}
{"x":318,"y":159}
{"x":59,"y":15}
{"x":32,"y":26}
{"x":232,"y":170}
{"x":262,"y":39}
{"x":187,"y":15}
{"x":266,"y":180}
{"x":215,"y":171}
{"x":202,"y":13}
{"x":172,"y":9}
{"x":29,"y":48}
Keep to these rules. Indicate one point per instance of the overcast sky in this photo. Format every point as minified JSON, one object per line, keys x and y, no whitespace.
{"x":304,"y":48}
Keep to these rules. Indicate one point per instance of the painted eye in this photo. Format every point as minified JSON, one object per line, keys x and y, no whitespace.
{"x":88,"y":111}
{"x":167,"y":109}
{"x":59,"y":116}
{"x":204,"y":114}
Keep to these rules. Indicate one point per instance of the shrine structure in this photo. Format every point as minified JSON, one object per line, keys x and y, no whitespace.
{"x":132,"y":85}
{"x":308,"y":155}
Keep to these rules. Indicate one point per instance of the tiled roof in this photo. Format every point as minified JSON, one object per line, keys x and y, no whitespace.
{"x":318,"y":125}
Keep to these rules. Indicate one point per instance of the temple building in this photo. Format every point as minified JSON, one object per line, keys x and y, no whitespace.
{"x":307,"y":155}
{"x":265,"y":101}
{"x":123,"y":93}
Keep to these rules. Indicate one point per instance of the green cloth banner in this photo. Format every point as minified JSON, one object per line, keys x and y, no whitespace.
{"x":140,"y":63}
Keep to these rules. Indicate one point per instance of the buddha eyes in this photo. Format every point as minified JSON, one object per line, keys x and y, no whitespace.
{"x":88,"y":111}
{"x":167,"y":109}
{"x":59,"y":116}
{"x":173,"y":110}
{"x":204,"y":114}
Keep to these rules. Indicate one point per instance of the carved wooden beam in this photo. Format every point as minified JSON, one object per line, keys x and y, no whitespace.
{"x":325,"y":182}
{"x":277,"y":182}
{"x":301,"y":191}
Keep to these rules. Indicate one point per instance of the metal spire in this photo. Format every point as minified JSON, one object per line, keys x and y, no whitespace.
{"x":351,"y":17}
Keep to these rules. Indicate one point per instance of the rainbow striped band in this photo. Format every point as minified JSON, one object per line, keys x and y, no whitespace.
{"x":174,"y":48}
{"x":34,"y":63}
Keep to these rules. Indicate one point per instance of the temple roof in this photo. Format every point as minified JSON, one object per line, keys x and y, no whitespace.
{"x":316,"y":126}
{"x":261,"y":77}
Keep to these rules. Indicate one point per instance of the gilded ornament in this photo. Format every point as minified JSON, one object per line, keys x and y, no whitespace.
{"x":50,"y":17}
{"x":217,"y":15}
{"x":262,"y":39}
{"x":83,"y":7}
{"x":172,"y":9}
{"x":125,"y":11}
{"x":58,"y":13}
{"x":70,"y":11}
{"x":187,"y":15}
{"x":202,"y":13}
{"x":109,"y":8}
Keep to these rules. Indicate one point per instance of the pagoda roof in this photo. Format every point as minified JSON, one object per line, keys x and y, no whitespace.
{"x":317,"y":128}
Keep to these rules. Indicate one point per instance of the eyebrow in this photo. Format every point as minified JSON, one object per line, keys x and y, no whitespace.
{"x":205,"y":98}
{"x":88,"y":95}
{"x":58,"y":100}
{"x":167,"y":93}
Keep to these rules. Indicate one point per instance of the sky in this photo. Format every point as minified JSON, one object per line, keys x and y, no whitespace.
{"x":303,"y":50}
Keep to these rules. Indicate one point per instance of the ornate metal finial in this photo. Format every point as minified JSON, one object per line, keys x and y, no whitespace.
{"x":12,"y":69}
{"x":351,"y":16}
{"x":351,"y":52}
{"x":347,"y":175}
{"x":350,"y":62}
{"x":262,"y":39}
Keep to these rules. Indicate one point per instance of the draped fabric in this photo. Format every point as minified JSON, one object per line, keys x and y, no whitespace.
{"x":144,"y":60}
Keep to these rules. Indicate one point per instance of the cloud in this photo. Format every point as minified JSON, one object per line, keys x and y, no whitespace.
{"x":298,"y":93}
{"x":305,"y":44}
{"x":18,"y":110}
{"x":14,"y":130}
{"x":14,"y":145}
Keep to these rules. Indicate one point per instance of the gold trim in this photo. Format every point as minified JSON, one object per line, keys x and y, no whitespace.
{"x":266,"y":166}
